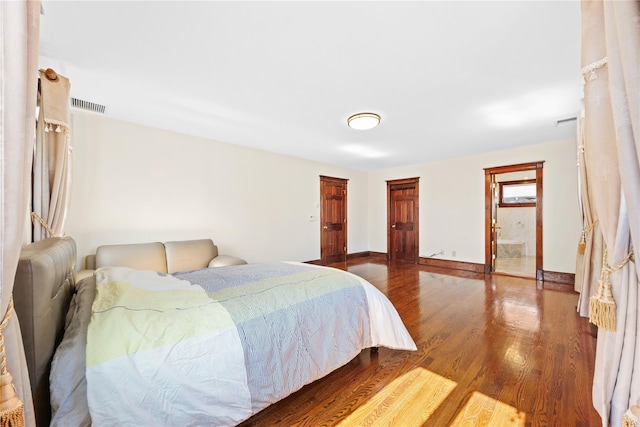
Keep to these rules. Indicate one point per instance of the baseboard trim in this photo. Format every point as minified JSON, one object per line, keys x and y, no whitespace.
{"x":355,"y":255}
{"x":454,"y":265}
{"x":560,"y":278}
{"x":378,"y":255}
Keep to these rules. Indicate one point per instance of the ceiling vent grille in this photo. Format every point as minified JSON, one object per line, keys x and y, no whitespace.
{"x":88,"y":105}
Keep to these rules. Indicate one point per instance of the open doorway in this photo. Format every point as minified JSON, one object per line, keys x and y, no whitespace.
{"x":513,"y":224}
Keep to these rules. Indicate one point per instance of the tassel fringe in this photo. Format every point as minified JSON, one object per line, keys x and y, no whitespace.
{"x":13,"y":418}
{"x":628,"y":421}
{"x":11,"y":407}
{"x":56,"y":126}
{"x":630,"y":417}
{"x":602,"y":305}
{"x":602,"y":313}
{"x":582,"y":245}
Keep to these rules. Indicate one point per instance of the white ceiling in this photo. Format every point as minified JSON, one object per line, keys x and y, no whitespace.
{"x":449,"y":78}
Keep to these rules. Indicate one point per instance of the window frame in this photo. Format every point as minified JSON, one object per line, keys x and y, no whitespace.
{"x":516,"y":205}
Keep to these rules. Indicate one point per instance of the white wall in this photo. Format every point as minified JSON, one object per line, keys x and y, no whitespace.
{"x":452,"y":203}
{"x":135,"y":184}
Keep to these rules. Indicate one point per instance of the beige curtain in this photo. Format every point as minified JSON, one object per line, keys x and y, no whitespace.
{"x":19,"y":32}
{"x":611,"y":67}
{"x":52,"y":158}
{"x":589,"y":256}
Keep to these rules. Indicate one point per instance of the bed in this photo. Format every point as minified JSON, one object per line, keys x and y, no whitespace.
{"x":211,"y":346}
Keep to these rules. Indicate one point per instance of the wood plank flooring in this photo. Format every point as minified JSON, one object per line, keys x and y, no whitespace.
{"x":485,"y":343}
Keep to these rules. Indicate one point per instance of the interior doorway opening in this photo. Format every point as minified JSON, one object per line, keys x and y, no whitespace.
{"x":513,"y":220}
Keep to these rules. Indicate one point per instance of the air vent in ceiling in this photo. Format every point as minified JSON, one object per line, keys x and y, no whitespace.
{"x":565,"y":121}
{"x":88,"y":105}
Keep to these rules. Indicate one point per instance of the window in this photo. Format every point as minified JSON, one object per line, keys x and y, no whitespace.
{"x":517,"y":193}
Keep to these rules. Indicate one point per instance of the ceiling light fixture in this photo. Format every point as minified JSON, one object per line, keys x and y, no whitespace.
{"x":362,"y":121}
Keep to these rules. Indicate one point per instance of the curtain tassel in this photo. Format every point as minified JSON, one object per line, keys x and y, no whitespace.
{"x":630,"y":417}
{"x":11,"y":408}
{"x":55,"y":126}
{"x":602,"y":305}
{"x":582,"y":244}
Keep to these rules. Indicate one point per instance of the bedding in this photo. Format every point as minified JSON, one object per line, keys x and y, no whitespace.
{"x":215,"y":346}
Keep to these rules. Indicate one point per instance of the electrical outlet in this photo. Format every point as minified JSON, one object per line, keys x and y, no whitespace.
{"x":453,"y":253}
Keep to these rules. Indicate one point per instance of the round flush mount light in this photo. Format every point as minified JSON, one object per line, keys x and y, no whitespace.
{"x":363,"y":121}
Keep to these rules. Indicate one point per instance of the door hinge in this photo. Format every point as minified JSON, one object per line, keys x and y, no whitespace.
{"x":493,"y":256}
{"x":345,"y":249}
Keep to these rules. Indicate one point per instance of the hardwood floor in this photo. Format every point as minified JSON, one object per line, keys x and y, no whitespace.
{"x":507,"y":339}
{"x":523,"y":266}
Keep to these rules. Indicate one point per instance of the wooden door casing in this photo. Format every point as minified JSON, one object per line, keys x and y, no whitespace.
{"x":333,"y":219}
{"x":494,"y":222}
{"x":489,"y":197}
{"x":402,"y":220}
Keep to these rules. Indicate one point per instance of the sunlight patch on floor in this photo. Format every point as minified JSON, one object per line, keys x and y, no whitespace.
{"x":408,"y":401}
{"x":483,"y":410}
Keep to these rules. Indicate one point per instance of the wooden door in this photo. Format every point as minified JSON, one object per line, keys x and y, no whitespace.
{"x":333,"y":219}
{"x":402,"y":222}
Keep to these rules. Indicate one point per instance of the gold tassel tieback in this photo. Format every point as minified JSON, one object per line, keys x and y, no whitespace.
{"x":602,"y":305}
{"x":11,"y":408}
{"x":582,"y":244}
{"x":630,"y":417}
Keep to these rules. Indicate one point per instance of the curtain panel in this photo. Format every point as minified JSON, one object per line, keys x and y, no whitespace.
{"x":19,"y":38}
{"x":52,"y":158}
{"x":589,"y":256}
{"x":611,"y":70}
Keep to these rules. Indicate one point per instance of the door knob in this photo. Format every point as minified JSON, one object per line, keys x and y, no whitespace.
{"x":325,"y":227}
{"x":393,"y":226}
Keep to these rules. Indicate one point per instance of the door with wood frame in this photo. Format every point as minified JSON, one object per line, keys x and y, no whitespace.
{"x":402,"y":220}
{"x":494,"y":222}
{"x":491,"y":199}
{"x":333,"y":219}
